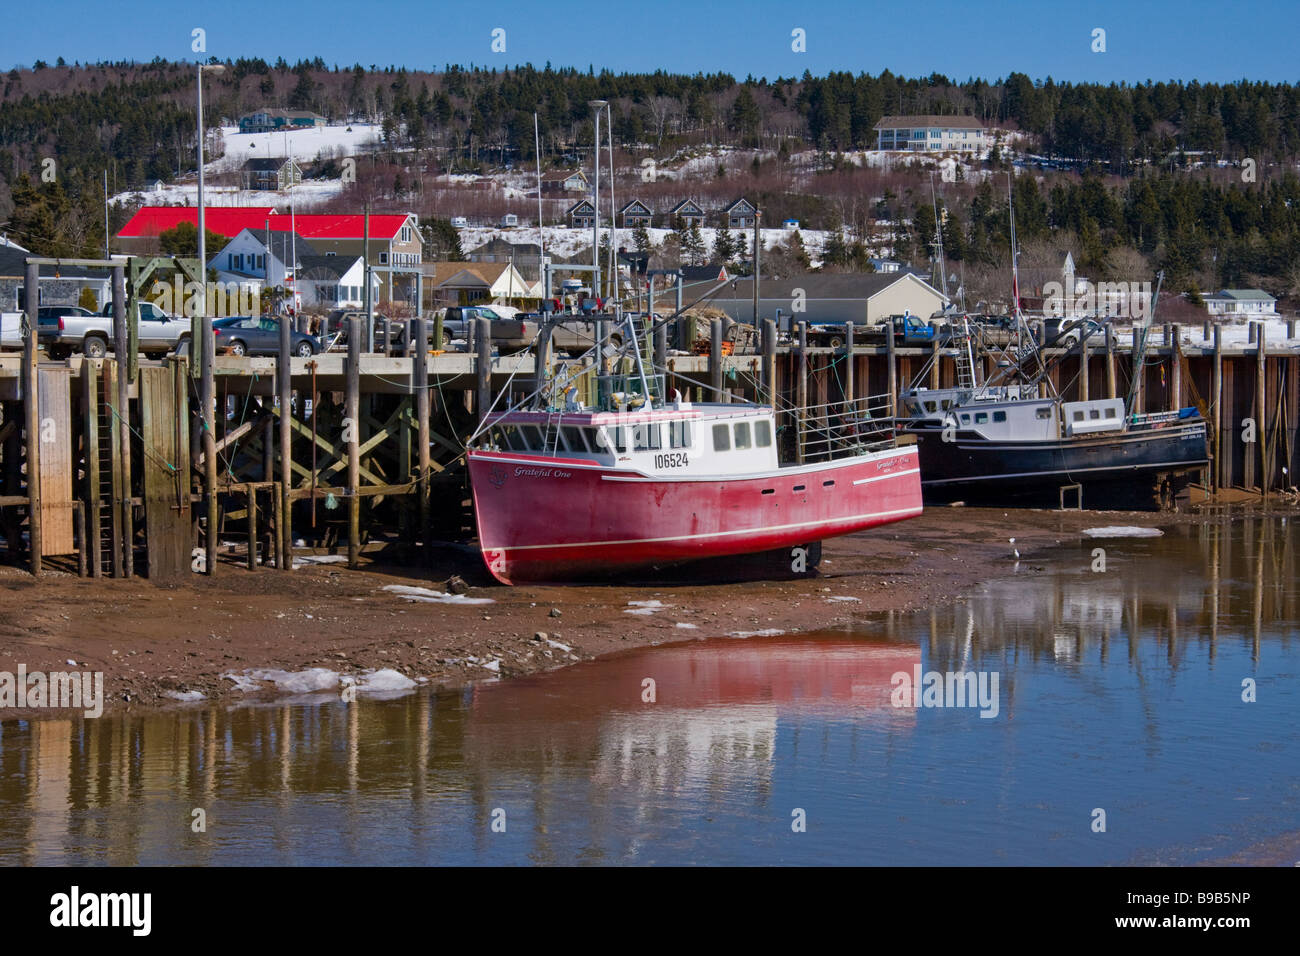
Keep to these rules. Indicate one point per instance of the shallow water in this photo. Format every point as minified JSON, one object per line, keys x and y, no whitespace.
{"x":1118,"y":690}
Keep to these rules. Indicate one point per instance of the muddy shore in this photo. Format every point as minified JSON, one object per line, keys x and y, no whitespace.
{"x":152,"y":643}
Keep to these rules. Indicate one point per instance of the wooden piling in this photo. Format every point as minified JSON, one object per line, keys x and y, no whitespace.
{"x":32,"y":422}
{"x":1216,"y":386}
{"x":483,"y":367}
{"x":90,"y":393}
{"x":715,"y":361}
{"x":208,"y":398}
{"x":351,"y":424}
{"x":252,"y":526}
{"x":934,"y":362}
{"x":848,"y":362}
{"x":1261,"y":409}
{"x":121,"y":336}
{"x":284,"y":384}
{"x":891,"y":370}
{"x":1175,"y":369}
{"x":801,"y":396}
{"x":1085,"y":355}
{"x":769,"y":361}
{"x":420,"y":378}
{"x":1110,"y":362}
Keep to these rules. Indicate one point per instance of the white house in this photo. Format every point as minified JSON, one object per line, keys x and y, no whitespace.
{"x":1241,"y":303}
{"x":933,"y":133}
{"x":331,"y":281}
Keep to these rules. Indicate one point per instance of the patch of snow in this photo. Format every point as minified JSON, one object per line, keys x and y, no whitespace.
{"x":685,"y":626}
{"x":187,"y":696}
{"x":307,"y":559}
{"x":559,"y":646}
{"x":766,"y":632}
{"x":290,"y":682}
{"x":430,"y":596}
{"x":1122,"y":531}
{"x":493,"y":666}
{"x":644,"y":607}
{"x":843,"y":597}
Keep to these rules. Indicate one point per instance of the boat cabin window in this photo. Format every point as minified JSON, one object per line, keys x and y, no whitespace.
{"x":946,"y":404}
{"x":981,"y":418}
{"x":721,"y":438}
{"x":742,"y":435}
{"x":575,"y":438}
{"x":1110,"y":413}
{"x":679,"y":434}
{"x":1042,"y":414}
{"x":506,"y":437}
{"x":931,"y":407}
{"x":999,"y":416}
{"x":646,"y":437}
{"x":763,"y":433}
{"x":965,"y":419}
{"x":532,"y":438}
{"x":1078,"y":414}
{"x":1094,"y":414}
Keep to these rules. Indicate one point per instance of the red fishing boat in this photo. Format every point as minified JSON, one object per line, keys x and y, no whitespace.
{"x":576,"y":493}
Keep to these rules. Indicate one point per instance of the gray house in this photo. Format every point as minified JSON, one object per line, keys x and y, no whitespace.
{"x":863,"y":298}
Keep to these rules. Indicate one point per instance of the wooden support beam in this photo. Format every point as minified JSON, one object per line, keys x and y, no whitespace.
{"x":32,"y":422}
{"x":715,"y":361}
{"x":284,"y":517}
{"x":351,"y":429}
{"x":483,"y":368}
{"x":1216,"y":389}
{"x":420,"y":375}
{"x":122,"y":446}
{"x":208,"y":399}
{"x":1261,"y":409}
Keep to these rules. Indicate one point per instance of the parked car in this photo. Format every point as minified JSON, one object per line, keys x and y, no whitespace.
{"x":157,"y":332}
{"x":259,"y":335}
{"x":507,"y":333}
{"x":338,"y":324}
{"x":47,"y":318}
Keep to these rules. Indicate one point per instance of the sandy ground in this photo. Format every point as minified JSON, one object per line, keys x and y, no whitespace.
{"x":151,"y":641}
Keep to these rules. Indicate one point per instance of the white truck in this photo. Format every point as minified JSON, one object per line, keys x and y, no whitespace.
{"x":159,"y":333}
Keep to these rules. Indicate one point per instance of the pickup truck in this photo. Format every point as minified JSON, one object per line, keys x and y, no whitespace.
{"x":159,"y":333}
{"x":909,"y":330}
{"x":507,"y":333}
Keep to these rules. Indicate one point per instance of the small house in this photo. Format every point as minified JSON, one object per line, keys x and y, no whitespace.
{"x":689,"y":212}
{"x":741,"y":214}
{"x":636,"y":215}
{"x":564,"y":182}
{"x":272,"y":173}
{"x":582,"y":214}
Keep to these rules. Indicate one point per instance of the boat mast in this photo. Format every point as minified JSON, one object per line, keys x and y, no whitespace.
{"x":1140,"y":333}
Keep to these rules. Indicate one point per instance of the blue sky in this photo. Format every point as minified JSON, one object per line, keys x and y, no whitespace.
{"x":1156,"y":39}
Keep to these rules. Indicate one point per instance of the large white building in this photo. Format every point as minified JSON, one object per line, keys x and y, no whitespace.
{"x":933,"y":133}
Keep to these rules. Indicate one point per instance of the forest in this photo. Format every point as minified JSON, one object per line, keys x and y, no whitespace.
{"x":1151,"y":175}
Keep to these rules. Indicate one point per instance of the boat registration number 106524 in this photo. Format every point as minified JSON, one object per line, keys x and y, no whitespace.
{"x":671,"y":460}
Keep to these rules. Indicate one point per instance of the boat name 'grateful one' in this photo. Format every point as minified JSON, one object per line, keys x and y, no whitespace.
{"x":523,"y":472}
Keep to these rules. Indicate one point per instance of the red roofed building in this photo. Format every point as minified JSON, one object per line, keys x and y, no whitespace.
{"x":395,"y":245}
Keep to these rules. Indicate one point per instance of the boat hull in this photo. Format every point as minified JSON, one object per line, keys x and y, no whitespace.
{"x":970,"y":466}
{"x":548,"y":519}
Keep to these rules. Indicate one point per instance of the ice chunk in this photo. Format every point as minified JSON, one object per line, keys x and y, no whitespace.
{"x":291,"y":682}
{"x":1122,"y":531}
{"x":430,"y":596}
{"x":185,"y":695}
{"x":685,"y":626}
{"x":644,"y":607}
